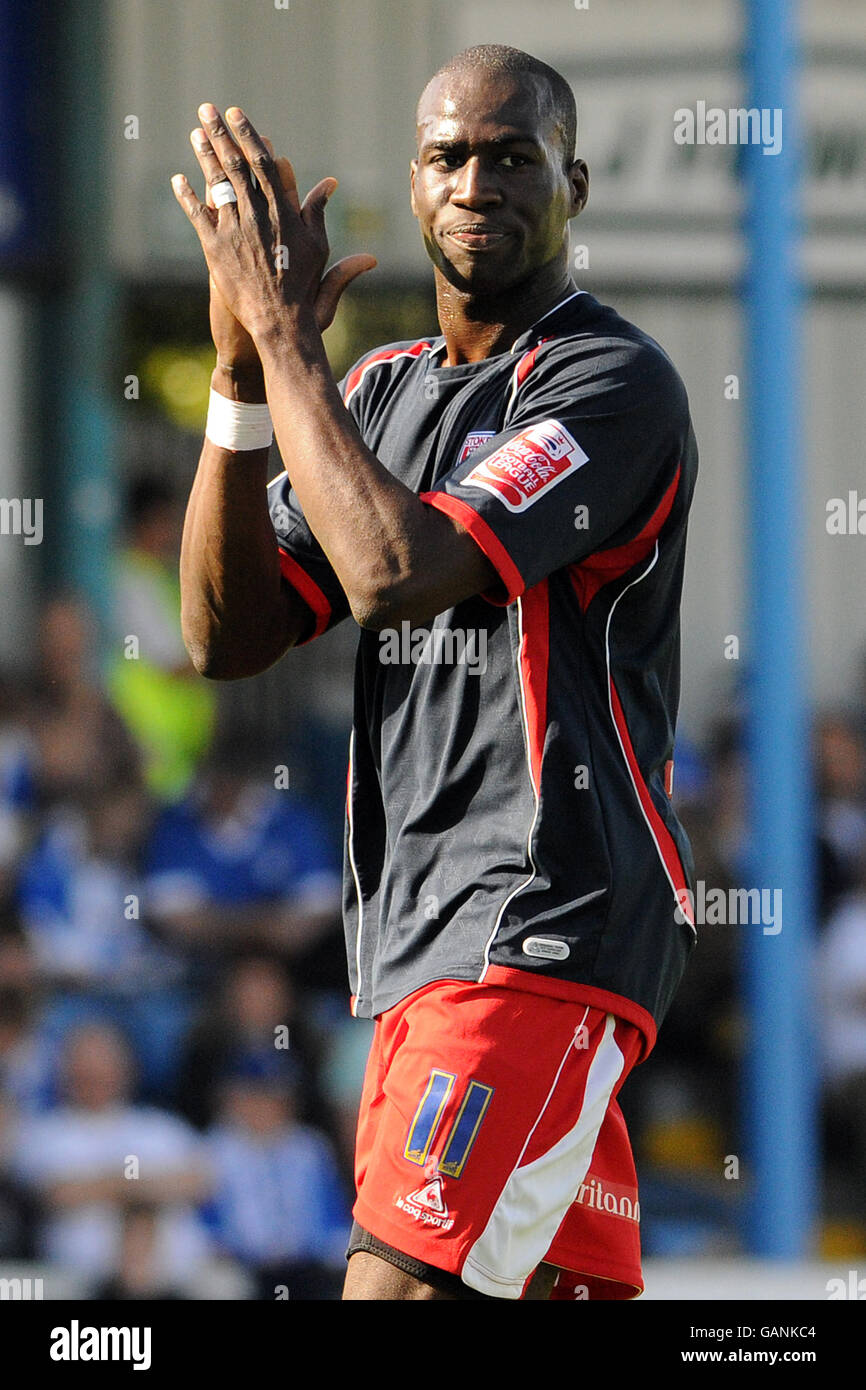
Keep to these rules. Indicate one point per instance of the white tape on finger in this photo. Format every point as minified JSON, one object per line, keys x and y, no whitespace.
{"x":223,"y":193}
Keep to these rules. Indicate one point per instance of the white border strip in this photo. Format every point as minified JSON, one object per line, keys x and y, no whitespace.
{"x":513,"y":392}
{"x":524,"y":718}
{"x":647,"y":820}
{"x":384,"y":362}
{"x":350,"y":816}
{"x":536,"y":1196}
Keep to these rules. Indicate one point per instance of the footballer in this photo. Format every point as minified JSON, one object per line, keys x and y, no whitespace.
{"x":516,"y":880}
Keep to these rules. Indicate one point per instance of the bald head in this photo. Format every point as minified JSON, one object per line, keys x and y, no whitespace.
{"x":554,"y":97}
{"x":495,"y":180}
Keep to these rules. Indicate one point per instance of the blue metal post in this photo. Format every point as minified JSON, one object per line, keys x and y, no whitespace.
{"x":779,"y":1079}
{"x":89,"y":380}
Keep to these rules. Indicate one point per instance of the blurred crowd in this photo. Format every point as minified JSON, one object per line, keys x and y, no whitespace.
{"x":179,"y":1073}
{"x":686,"y":1109}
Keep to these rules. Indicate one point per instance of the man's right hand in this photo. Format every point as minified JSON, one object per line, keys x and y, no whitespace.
{"x":238,"y":372}
{"x":238,"y":615}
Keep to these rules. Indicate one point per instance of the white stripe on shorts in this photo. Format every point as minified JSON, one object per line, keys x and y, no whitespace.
{"x":536,"y":1197}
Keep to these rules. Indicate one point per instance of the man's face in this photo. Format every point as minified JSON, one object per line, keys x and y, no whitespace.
{"x":489,"y":186}
{"x":97,"y":1070}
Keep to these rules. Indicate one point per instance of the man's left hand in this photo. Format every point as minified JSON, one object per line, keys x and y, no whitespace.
{"x":266,"y":253}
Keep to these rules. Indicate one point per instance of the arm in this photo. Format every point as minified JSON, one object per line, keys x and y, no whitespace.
{"x":278,"y":925}
{"x":181,"y":1185}
{"x":395,"y":557}
{"x":237,"y":614}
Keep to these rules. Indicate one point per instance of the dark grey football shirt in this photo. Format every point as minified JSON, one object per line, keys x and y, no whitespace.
{"x":508,"y":811}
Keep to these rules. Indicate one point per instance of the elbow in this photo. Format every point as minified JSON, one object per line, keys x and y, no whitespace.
{"x":237,"y":658}
{"x":209,"y":657}
{"x":378,"y":608}
{"x":200,"y":647}
{"x":208,"y":661}
{"x":394,"y":591}
{"x":371,"y":616}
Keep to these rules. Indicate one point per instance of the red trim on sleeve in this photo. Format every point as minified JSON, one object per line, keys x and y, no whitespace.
{"x":384,"y":355}
{"x":485,"y":539}
{"x":527,"y":362}
{"x":309,"y":592}
{"x":531,"y":982}
{"x":534,"y":661}
{"x":664,"y":840}
{"x":599,"y":569}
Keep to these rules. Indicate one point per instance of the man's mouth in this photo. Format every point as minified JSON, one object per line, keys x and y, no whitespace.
{"x":477,"y":236}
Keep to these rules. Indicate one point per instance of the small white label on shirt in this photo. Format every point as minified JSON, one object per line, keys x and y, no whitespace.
{"x":473,"y":442}
{"x":546,"y":947}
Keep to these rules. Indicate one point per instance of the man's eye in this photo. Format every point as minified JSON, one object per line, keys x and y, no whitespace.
{"x":449,"y":160}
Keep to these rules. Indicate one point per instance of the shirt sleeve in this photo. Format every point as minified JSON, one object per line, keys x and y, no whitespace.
{"x":303,"y":563}
{"x":588,"y":461}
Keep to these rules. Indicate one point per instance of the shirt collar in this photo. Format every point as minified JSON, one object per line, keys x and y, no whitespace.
{"x":547,"y":320}
{"x":527,"y":339}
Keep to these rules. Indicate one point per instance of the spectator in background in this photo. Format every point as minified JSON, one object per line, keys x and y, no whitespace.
{"x":167,"y":707}
{"x":342,"y":1078}
{"x":18,"y":1210}
{"x":18,"y":759}
{"x":841,"y":970}
{"x":681,"y":1110}
{"x":255,"y":1010}
{"x":25,"y":1044}
{"x":241,"y":864}
{"x":79,"y":742}
{"x":726,"y":821}
{"x":278,"y":1203}
{"x":840,"y":763}
{"x":98,"y":1154}
{"x":80,"y":897}
{"x":138,"y":1277}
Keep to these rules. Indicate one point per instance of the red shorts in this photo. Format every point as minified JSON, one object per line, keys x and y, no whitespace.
{"x":490,"y":1140}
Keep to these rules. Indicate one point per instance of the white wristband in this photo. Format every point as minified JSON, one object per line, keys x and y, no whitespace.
{"x":236,"y":425}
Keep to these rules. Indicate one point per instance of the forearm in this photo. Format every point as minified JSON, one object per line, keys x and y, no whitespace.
{"x":180,"y":1186}
{"x":211,"y":924}
{"x":388,"y":549}
{"x":395,"y":557}
{"x":237,"y":615}
{"x":78,"y":1192}
{"x":185,"y":1185}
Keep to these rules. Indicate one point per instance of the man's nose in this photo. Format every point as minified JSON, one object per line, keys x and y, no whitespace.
{"x":476,"y":183}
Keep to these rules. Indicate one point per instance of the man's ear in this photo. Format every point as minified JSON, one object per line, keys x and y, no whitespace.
{"x":413,"y":165}
{"x":578,"y":177}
